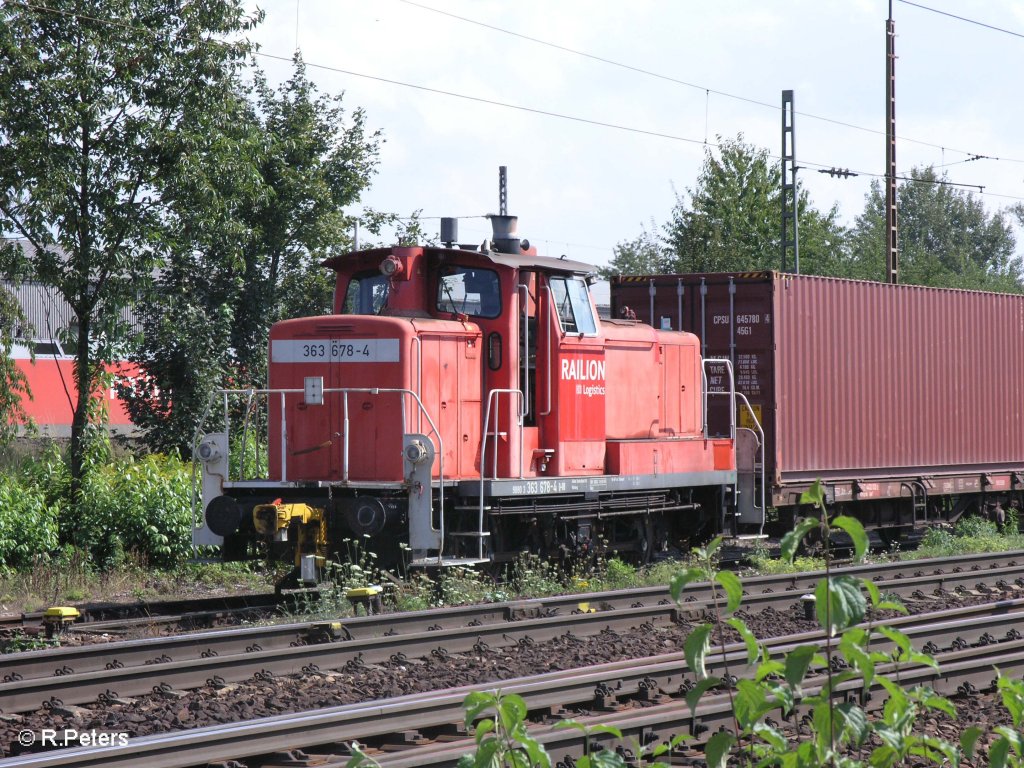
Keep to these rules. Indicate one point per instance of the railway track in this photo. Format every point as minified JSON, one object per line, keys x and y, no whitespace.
{"x":640,"y":696}
{"x":198,"y":613}
{"x":80,"y":675}
{"x":121,"y":617}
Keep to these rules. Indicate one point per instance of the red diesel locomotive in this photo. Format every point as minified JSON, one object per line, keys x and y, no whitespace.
{"x":469,"y":403}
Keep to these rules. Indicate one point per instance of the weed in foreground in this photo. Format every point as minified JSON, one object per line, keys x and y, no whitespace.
{"x":837,"y":724}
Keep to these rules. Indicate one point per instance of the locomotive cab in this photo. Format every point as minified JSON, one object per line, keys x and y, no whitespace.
{"x":469,"y":404}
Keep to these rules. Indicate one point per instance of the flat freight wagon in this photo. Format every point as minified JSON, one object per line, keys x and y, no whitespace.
{"x":907,"y":401}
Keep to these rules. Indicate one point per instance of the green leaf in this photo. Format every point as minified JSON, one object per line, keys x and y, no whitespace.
{"x":861,"y":661}
{"x":839,"y":603}
{"x":733,"y":589}
{"x":853,"y":528}
{"x":483,"y":727}
{"x":476,"y":703}
{"x":823,"y":725}
{"x":918,"y":657}
{"x":571,"y":723}
{"x":694,"y":694}
{"x":771,"y":736}
{"x":891,"y":605}
{"x":968,"y":738}
{"x":783,"y":695}
{"x":1012,"y":692}
{"x":607,"y":758}
{"x":611,"y":730}
{"x":538,"y":755}
{"x":1015,"y":738}
{"x":883,"y":757}
{"x":716,"y":753}
{"x":797,"y":662}
{"x":680,"y":579}
{"x":901,"y":641}
{"x":768,"y":667}
{"x":749,"y":703}
{"x":814,"y":495}
{"x":853,"y":723}
{"x":512,"y":710}
{"x":998,"y":753}
{"x":873,"y":594}
{"x":696,"y":647}
{"x":748,"y":637}
{"x":791,"y":541}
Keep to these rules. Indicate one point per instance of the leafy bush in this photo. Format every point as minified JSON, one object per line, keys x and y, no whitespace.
{"x":132,"y":505}
{"x":28,"y":522}
{"x":976,"y":528}
{"x":938,"y":538}
{"x":619,"y":574}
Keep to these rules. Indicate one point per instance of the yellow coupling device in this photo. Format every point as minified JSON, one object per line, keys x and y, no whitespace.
{"x":275,"y":519}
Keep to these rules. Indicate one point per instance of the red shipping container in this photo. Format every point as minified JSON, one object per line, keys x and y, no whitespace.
{"x":878,"y":389}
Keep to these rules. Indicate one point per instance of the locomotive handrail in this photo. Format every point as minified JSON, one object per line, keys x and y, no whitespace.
{"x":226,"y":394}
{"x":524,"y":293}
{"x":494,"y":397}
{"x":549,"y":335}
{"x":733,"y":395}
{"x":416,"y":342}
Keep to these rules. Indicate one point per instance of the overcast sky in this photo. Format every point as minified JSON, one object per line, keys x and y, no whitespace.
{"x":716,"y":68}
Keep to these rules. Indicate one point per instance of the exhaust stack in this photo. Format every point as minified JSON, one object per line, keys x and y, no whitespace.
{"x":503,"y":233}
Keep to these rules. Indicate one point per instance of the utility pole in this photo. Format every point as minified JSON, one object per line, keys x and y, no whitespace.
{"x":790,"y":190}
{"x":891,"y":248}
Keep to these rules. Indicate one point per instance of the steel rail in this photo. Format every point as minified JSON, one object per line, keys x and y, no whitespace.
{"x":86,"y":658}
{"x":110,"y":614}
{"x":130,"y":669}
{"x":660,"y":722}
{"x":651,"y":679}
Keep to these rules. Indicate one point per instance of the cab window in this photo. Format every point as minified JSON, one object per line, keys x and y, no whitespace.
{"x":469,"y":291}
{"x":572,"y":301}
{"x":367,"y":294}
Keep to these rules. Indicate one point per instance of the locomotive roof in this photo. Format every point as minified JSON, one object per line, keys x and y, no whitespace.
{"x":517,"y":260}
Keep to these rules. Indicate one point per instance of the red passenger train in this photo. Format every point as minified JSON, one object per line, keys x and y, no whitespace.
{"x":470,"y":404}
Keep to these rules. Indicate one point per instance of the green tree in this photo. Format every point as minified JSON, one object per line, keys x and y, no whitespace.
{"x":250,"y":232}
{"x":644,"y":255}
{"x":946,"y":237}
{"x":317,"y":160}
{"x":13,"y":384}
{"x":732,"y":221}
{"x":97,"y":107}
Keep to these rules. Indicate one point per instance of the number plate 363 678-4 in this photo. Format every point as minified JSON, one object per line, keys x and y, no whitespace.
{"x":334,"y":351}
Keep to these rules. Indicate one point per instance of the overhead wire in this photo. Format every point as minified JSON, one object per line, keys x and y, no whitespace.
{"x":669,"y":78}
{"x":559,"y":115}
{"x":962,"y":18}
{"x":589,"y":121}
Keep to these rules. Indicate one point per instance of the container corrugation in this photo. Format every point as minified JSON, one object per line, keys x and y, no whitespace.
{"x":860,"y":380}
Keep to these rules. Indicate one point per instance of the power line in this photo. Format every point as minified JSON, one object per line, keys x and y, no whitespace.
{"x":588,"y":121}
{"x":494,"y":102}
{"x":669,"y":78}
{"x":532,"y":110}
{"x":963,"y":18}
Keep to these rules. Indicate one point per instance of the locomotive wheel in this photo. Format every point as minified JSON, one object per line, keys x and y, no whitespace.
{"x":645,"y":537}
{"x":644,"y":529}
